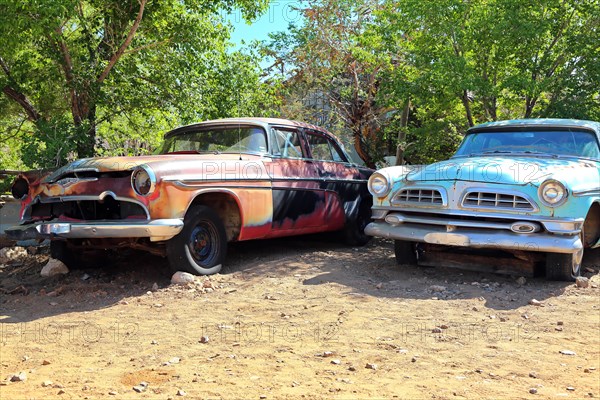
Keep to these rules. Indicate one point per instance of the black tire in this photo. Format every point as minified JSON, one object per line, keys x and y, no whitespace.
{"x":406,"y":252}
{"x":201,"y":245}
{"x":60,"y":250}
{"x":354,"y":232}
{"x":563,"y":267}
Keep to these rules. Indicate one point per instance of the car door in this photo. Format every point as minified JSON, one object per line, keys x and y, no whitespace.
{"x":344,"y":183}
{"x":298,"y":199}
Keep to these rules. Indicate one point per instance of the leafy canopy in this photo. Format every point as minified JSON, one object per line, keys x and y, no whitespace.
{"x":103,"y":76}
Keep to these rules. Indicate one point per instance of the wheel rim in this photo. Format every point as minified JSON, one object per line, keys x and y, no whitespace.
{"x":203,"y":244}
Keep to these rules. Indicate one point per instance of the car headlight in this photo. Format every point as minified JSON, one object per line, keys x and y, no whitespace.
{"x":552,"y":193}
{"x":143,"y":180}
{"x":379,"y":185}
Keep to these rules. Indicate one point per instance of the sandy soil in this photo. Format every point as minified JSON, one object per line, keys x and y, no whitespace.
{"x":296,"y":318}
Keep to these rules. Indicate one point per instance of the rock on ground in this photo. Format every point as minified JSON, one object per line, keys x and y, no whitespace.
{"x":53,"y":268}
{"x":582,"y":282}
{"x":182,"y":278}
{"x":20,"y":377}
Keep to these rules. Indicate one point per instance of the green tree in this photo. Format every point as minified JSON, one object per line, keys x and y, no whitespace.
{"x":72,"y":68}
{"x":332,"y":70}
{"x":500,"y":58}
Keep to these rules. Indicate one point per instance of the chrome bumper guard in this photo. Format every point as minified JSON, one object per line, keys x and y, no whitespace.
{"x":159,"y":229}
{"x":476,"y":237}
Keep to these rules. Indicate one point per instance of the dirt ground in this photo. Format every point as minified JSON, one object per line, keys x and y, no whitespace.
{"x":296,"y":318}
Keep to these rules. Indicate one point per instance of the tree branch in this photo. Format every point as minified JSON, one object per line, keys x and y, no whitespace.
{"x":9,"y":131}
{"x":23,"y":101}
{"x":153,"y":44}
{"x":67,"y":66}
{"x":117,"y":55}
{"x":17,"y":96}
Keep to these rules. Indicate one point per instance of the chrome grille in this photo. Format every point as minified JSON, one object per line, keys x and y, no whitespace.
{"x":419,"y":196}
{"x":497,"y":200}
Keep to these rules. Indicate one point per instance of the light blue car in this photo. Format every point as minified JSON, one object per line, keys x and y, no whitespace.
{"x":520,"y":196}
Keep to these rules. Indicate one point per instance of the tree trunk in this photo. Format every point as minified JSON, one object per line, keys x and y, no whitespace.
{"x":87,"y":134}
{"x":402,"y":133}
{"x":465,"y":101}
{"x":359,"y":137}
{"x":530,"y":103}
{"x":494,"y":109}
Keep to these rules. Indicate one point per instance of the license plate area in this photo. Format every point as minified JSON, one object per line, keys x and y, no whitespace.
{"x":448,"y":239}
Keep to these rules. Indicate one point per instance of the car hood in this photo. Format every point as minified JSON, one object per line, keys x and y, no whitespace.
{"x":503,"y":170}
{"x":160,"y":164}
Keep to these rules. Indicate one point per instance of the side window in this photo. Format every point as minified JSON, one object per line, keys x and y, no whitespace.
{"x":322,"y":148}
{"x":285,"y":143}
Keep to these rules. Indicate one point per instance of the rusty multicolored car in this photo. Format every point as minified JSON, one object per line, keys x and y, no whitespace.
{"x":214,"y":182}
{"x":524,"y":188}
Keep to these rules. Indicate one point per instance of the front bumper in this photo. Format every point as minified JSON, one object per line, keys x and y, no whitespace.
{"x":476,"y":238}
{"x":158,"y":229}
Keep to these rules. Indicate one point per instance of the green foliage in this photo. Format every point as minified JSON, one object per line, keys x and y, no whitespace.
{"x":331,"y":72}
{"x":434,"y":140}
{"x":449,"y":63}
{"x":82,"y":78}
{"x":134,"y":134}
{"x":109,"y":77}
{"x":501,"y":59}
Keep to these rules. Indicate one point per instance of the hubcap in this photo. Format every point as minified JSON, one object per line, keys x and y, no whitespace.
{"x":203,"y":244}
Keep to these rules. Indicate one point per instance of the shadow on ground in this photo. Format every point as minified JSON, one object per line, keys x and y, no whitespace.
{"x":315,"y":260}
{"x":26,"y":296}
{"x":372,"y":270}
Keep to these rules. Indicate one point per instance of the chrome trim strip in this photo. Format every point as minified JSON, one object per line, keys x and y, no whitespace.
{"x":199,"y":182}
{"x":66,"y":182}
{"x":588,"y":192}
{"x":477,"y":238}
{"x":469,"y":213}
{"x":68,"y":171}
{"x":448,"y":222}
{"x":173,"y":179}
{"x":192,"y":186}
{"x":163,"y":228}
{"x":360,"y":181}
{"x":555,"y":225}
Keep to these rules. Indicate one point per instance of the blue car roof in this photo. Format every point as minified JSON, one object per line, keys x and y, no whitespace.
{"x":538,"y":122}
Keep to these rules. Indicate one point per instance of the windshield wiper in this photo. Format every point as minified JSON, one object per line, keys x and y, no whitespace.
{"x":543,"y":153}
{"x":490,"y":152}
{"x":515,"y":152}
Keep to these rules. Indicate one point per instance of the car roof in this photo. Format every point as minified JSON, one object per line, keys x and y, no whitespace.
{"x":537,"y":122}
{"x":264,"y":122}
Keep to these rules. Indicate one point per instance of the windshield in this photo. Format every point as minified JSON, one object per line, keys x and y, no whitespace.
{"x":560,"y":143}
{"x":228,"y":139}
